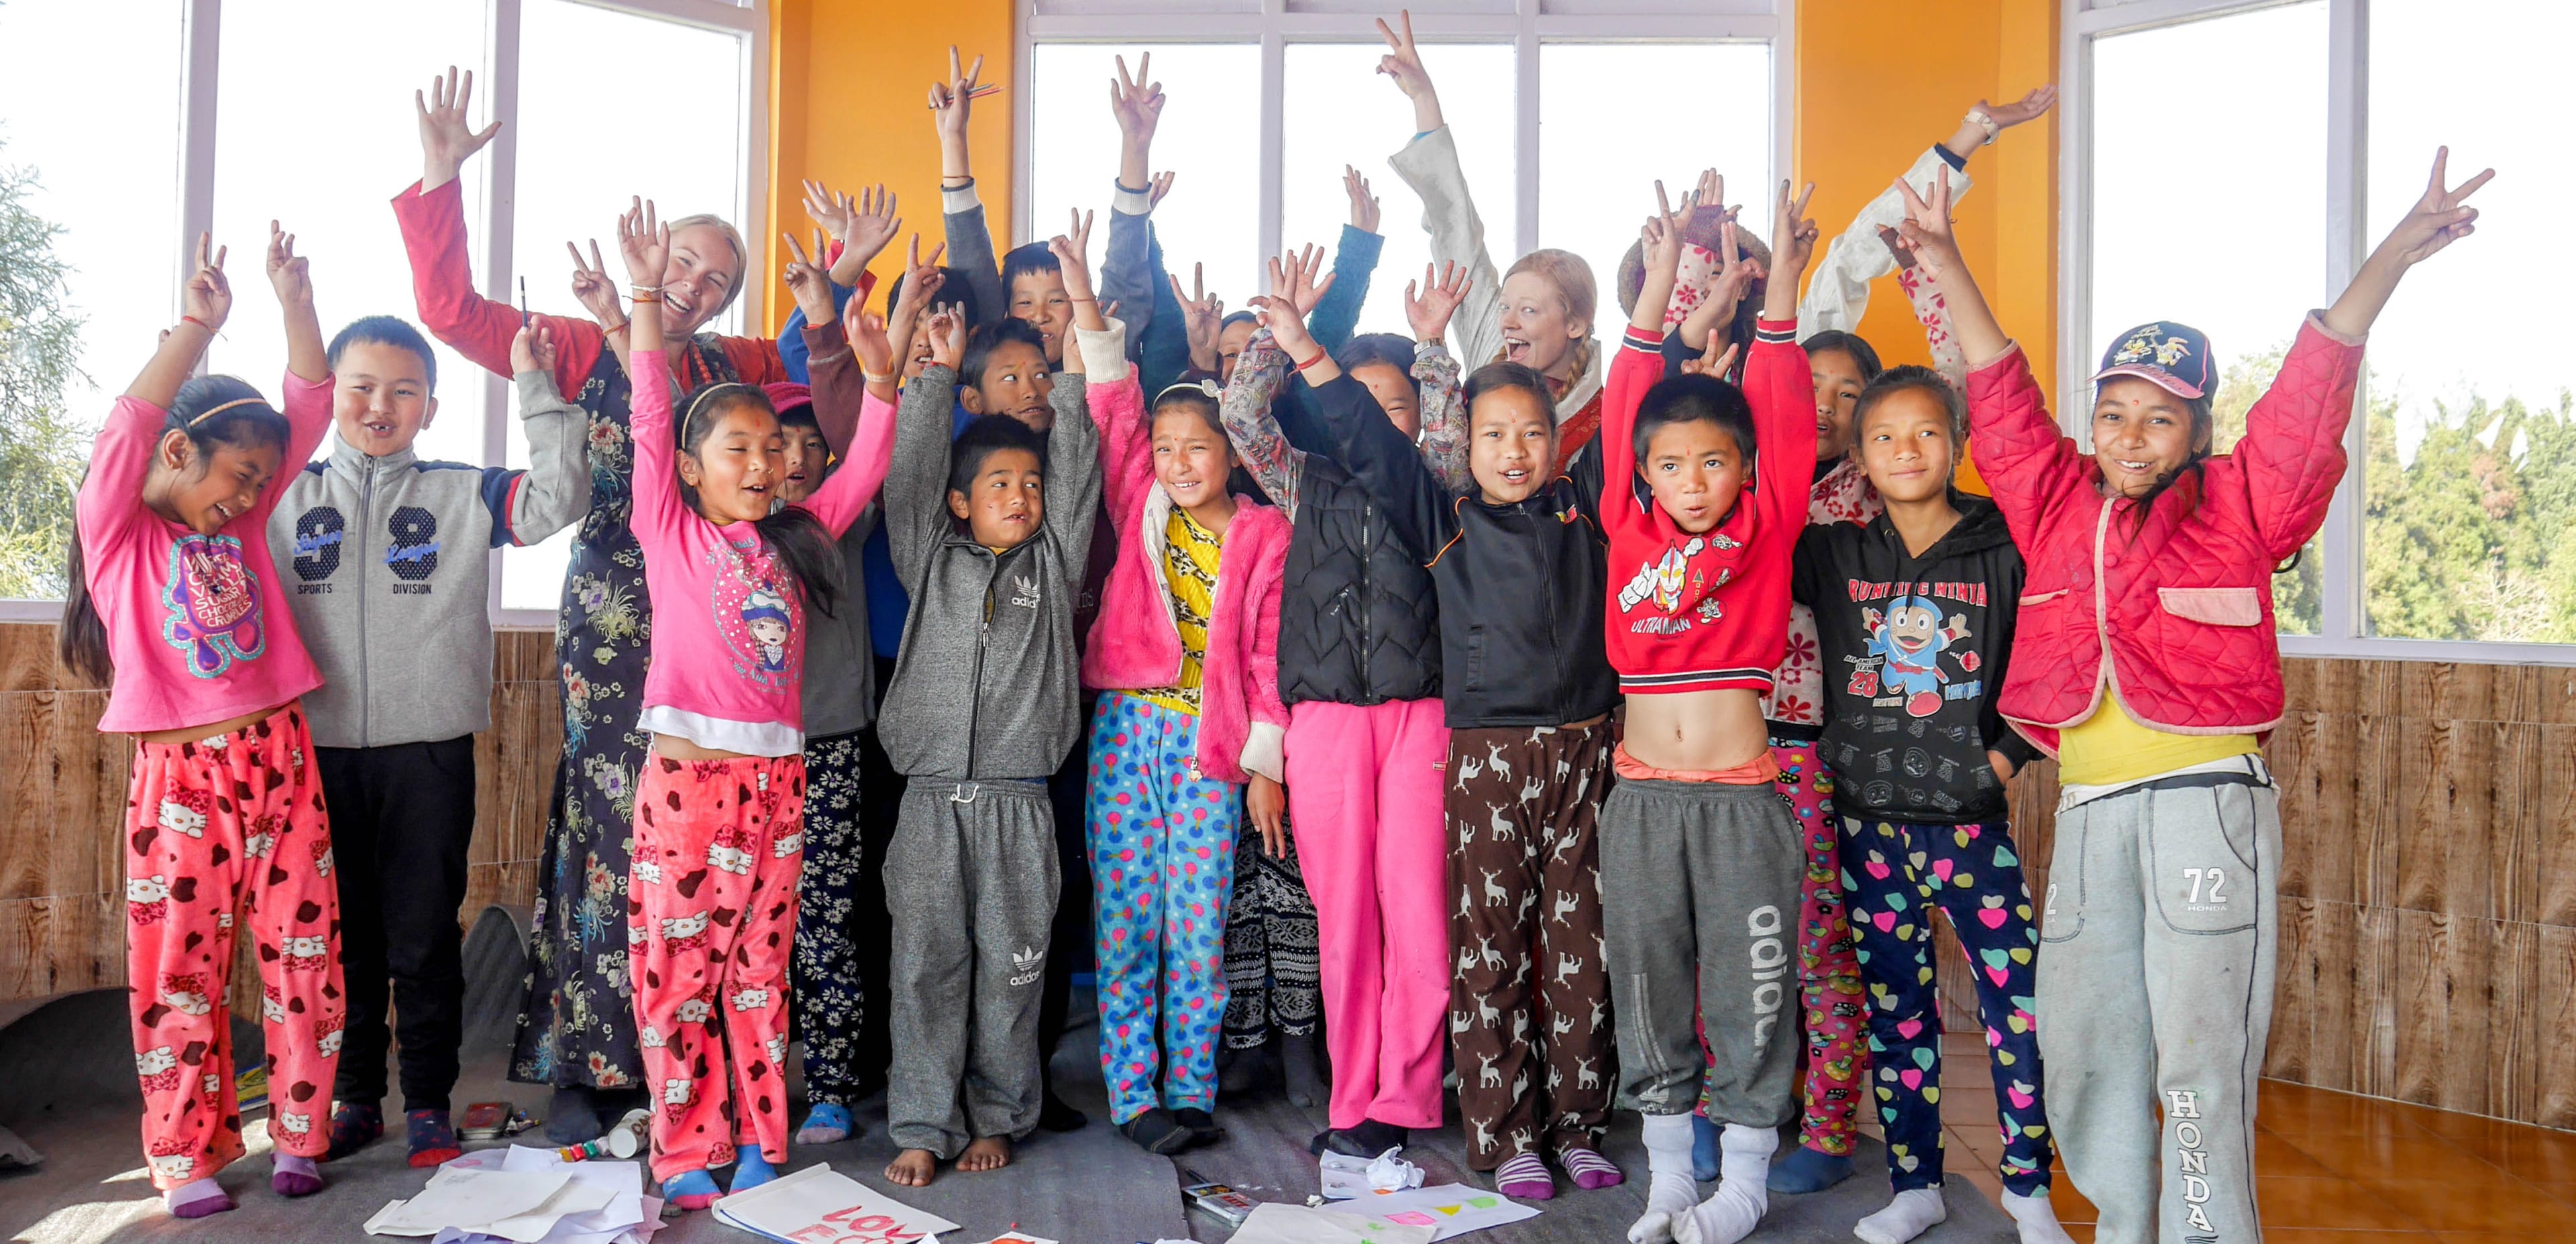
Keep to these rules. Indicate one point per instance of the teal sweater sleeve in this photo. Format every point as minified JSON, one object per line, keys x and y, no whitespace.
{"x":1164,"y":351}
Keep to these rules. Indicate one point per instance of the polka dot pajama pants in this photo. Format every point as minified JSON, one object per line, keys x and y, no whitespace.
{"x":1162,"y":867}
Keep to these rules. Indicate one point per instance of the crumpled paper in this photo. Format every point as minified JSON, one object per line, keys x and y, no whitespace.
{"x":1345,"y":1176}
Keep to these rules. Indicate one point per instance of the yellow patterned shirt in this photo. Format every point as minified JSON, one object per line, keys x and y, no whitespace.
{"x":1190,"y":554}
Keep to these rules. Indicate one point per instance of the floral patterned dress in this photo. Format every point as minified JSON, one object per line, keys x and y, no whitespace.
{"x":577,"y":1020}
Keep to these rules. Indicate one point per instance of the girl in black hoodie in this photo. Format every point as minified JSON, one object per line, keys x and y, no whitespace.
{"x":1914,"y":613}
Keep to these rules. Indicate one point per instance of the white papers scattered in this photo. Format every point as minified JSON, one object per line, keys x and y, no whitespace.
{"x":1276,"y":1223}
{"x":820,"y":1206}
{"x":1345,"y":1176}
{"x":1448,"y":1210}
{"x":526,"y":1196}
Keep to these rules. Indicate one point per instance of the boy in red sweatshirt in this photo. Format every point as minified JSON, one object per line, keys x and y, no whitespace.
{"x":1704,"y":853}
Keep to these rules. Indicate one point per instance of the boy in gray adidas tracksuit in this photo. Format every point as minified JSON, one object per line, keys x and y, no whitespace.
{"x":387,"y":563}
{"x":984,"y":705}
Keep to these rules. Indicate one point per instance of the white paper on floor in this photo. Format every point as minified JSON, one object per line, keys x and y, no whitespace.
{"x":1276,"y":1223}
{"x":469,"y":1199}
{"x":1345,"y":1176}
{"x":818,"y":1205}
{"x":1449,"y":1210}
{"x":591,"y":1202}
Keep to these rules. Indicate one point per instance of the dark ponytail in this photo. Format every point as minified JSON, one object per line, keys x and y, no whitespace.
{"x":799,"y":540}
{"x":214,"y":411}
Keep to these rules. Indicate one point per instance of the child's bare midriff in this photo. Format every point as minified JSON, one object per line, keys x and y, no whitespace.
{"x":190,"y":734}
{"x":677,"y":748}
{"x":1696,"y":731}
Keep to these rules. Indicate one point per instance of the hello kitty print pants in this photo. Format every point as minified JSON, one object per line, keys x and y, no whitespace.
{"x":1162,"y":872}
{"x":710,"y":928}
{"x":221,"y":833}
{"x":1896,"y":875}
{"x":1529,"y":999}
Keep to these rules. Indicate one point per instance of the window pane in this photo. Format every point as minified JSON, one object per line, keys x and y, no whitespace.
{"x":579,"y":163}
{"x":1209,"y":135}
{"x":1601,"y":163}
{"x":89,"y":180}
{"x":2472,"y":442}
{"x":272,"y":145}
{"x":1339,"y":110}
{"x":2265,"y":73}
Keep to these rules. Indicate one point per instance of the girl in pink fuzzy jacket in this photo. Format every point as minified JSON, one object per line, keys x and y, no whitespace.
{"x":1186,"y":649}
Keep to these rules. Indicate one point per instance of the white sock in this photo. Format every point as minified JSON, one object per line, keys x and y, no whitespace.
{"x":2037,"y":1219}
{"x":1669,"y":1189}
{"x":1913,"y":1212}
{"x":1743,"y":1170}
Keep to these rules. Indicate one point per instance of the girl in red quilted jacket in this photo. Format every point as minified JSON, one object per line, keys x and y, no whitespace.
{"x":2146,"y":662}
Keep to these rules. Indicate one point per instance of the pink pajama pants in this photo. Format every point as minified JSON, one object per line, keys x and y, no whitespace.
{"x":711,"y":923}
{"x":1364,"y":787}
{"x":224,"y":829}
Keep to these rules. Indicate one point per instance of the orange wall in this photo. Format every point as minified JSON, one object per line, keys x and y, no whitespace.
{"x":849,"y":81}
{"x":1877,"y":82}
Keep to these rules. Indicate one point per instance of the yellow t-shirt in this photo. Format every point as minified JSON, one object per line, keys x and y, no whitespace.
{"x":1190,"y":554}
{"x":2111,"y":747}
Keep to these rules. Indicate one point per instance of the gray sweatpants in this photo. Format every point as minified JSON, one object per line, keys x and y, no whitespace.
{"x":2155,"y":989}
{"x":1699,"y":890}
{"x":971,"y":882}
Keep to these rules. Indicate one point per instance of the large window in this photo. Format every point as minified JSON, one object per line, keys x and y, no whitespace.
{"x":2233,"y":165}
{"x":227,"y":115}
{"x":1269,"y":102}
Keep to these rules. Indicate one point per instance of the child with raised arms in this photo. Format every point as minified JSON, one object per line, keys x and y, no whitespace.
{"x":175,"y":599}
{"x":719,"y":812}
{"x":2147,"y":663}
{"x":1710,"y":495}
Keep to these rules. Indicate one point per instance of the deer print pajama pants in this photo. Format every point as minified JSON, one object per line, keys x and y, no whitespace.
{"x":222,"y":830}
{"x":711,"y":925}
{"x":1529,"y":1004}
{"x":1162,"y":872}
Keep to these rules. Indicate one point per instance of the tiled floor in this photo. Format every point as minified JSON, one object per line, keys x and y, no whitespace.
{"x":2332,"y":1168}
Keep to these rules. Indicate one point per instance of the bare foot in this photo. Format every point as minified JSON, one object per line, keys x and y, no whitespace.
{"x":913,"y":1168}
{"x":987,"y":1153}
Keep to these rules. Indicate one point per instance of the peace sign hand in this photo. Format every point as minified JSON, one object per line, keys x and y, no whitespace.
{"x":290,"y":274}
{"x":1137,"y":104}
{"x":1925,"y":232}
{"x":2437,"y":219}
{"x":1403,"y":62}
{"x":208,"y":296}
{"x":1202,"y":316}
{"x":952,"y":101}
{"x":1712,"y":361}
{"x":807,"y":280}
{"x":593,"y":288}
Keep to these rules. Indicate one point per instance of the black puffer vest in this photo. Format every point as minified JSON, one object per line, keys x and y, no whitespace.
{"x":1359,"y":622}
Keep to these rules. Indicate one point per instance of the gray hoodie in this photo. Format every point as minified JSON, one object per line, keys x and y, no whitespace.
{"x":388,"y":562}
{"x":987,"y":684}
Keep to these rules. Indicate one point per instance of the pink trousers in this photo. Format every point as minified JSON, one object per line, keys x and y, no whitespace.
{"x":711,"y":919}
{"x":226,"y":834}
{"x":1364,"y":790}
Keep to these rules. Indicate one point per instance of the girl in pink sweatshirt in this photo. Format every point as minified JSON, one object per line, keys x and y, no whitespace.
{"x":719,"y":812}
{"x":1187,"y":648}
{"x":174,"y":597}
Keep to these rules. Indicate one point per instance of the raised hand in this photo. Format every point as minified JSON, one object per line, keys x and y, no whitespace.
{"x":1136,"y":103}
{"x":2438,"y":219}
{"x":1711,"y":190}
{"x":921,"y":279}
{"x":1072,"y":251}
{"x":533,"y":349}
{"x":594,"y":289}
{"x":447,"y":139}
{"x":1793,"y":243}
{"x":1293,"y":277}
{"x":1403,"y":62}
{"x":807,"y":280}
{"x":872,"y":227}
{"x":947,"y":337}
{"x":207,"y":298}
{"x":1364,"y":205}
{"x":875,"y":348}
{"x":2028,"y":108}
{"x":290,"y":274}
{"x":1427,"y":313}
{"x":646,"y":243}
{"x":1202,"y":316}
{"x":1162,"y":185}
{"x":1712,"y":361}
{"x":952,"y":102}
{"x":1925,"y":233}
{"x":1662,"y":235}
{"x":831,"y":211}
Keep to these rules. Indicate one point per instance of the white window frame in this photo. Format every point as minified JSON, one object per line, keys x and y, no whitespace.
{"x":1523,"y":24}
{"x":492,"y":218}
{"x":2342,"y":616}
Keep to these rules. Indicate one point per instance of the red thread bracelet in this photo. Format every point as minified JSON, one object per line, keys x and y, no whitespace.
{"x":1319,"y":357}
{"x":190,"y":319}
